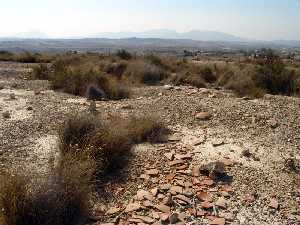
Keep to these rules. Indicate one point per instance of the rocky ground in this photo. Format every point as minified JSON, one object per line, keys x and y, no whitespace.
{"x":229,"y":160}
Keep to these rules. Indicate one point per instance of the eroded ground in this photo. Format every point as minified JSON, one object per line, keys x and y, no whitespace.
{"x":254,"y":138}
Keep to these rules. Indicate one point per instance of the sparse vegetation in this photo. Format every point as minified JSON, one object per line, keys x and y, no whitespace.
{"x":40,"y":72}
{"x":77,"y":73}
{"x":25,"y":57}
{"x":107,"y":142}
{"x":147,"y":129}
{"x":75,"y":77}
{"x":123,"y":54}
{"x":58,"y":198}
{"x":145,"y":73}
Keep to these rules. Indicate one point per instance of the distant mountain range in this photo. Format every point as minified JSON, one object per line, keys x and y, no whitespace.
{"x":142,"y":41}
{"x":196,"y":35}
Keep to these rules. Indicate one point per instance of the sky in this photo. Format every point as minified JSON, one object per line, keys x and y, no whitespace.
{"x":254,"y":19}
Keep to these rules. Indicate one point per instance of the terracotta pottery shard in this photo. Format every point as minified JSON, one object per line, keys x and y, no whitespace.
{"x":204,"y":196}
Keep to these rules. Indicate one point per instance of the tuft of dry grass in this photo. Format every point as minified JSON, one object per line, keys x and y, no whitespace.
{"x":123,"y":54}
{"x":146,"y":73}
{"x":107,"y":143}
{"x":85,"y":135}
{"x":40,"y":72}
{"x":58,"y":198}
{"x":76,"y":80}
{"x":147,"y":129}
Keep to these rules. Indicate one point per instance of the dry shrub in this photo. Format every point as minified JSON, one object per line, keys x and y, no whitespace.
{"x":28,"y":57}
{"x":123,"y":54}
{"x":188,"y":78}
{"x":88,"y":136}
{"x":41,"y":72}
{"x":77,"y":131}
{"x":157,"y":61}
{"x":147,"y":129}
{"x":146,"y":73}
{"x":58,"y":198}
{"x":195,"y":80}
{"x":76,"y":80}
{"x":117,"y":69}
{"x":107,"y":143}
{"x":7,"y":56}
{"x":275,"y":81}
{"x":208,"y":75}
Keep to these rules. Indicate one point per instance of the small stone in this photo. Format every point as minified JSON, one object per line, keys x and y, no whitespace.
{"x":182,"y":197}
{"x":163,"y":208}
{"x":112,"y":210}
{"x":152,"y":172}
{"x":155,"y":215}
{"x":227,"y":162}
{"x":142,"y":194}
{"x":12,"y":96}
{"x":204,"y":196}
{"x":170,"y":176}
{"x":176,"y":162}
{"x":167,"y":200}
{"x":145,"y":219}
{"x":246,"y":153}
{"x":218,"y":221}
{"x":196,"y":171}
{"x":186,"y":156}
{"x":154,"y":191}
{"x":134,"y":220}
{"x":227,"y":216}
{"x":274,"y":203}
{"x":273,"y":123}
{"x":182,"y":216}
{"x":174,"y":137}
{"x":173,"y":218}
{"x":164,"y":217}
{"x":198,"y":141}
{"x":203,"y":116}
{"x":6,"y":115}
{"x":168,"y":87}
{"x":176,"y":189}
{"x":207,"y":205}
{"x":165,"y":187}
{"x":188,"y":192}
{"x":222,"y":203}
{"x":145,"y":176}
{"x":127,"y":106}
{"x":217,"y":143}
{"x":132,"y":207}
{"x":160,"y":196}
{"x":169,"y":155}
{"x":147,"y":204}
{"x":201,"y":213}
{"x":180,"y":183}
{"x":224,"y":193}
{"x":249,"y":198}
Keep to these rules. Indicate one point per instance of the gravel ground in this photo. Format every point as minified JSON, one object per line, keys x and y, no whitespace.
{"x":256,"y":138}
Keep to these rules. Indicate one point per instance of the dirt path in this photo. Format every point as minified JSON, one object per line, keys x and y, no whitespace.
{"x":253,"y":137}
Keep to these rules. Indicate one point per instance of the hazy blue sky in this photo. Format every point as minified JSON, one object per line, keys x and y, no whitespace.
{"x":259,"y":19}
